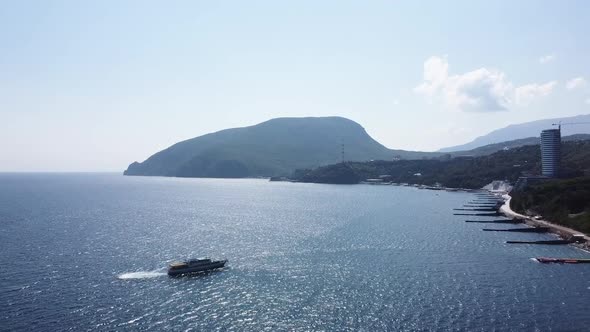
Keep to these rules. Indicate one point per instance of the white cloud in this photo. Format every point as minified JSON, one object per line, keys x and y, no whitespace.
{"x":575,"y":83}
{"x":525,"y":94}
{"x":588,"y":101}
{"x":546,"y":58}
{"x":480,"y":90}
{"x":436,"y":73}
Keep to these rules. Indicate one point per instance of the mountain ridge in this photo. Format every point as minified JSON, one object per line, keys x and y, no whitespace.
{"x":274,"y":147}
{"x":524,"y":130}
{"x":495,"y":147}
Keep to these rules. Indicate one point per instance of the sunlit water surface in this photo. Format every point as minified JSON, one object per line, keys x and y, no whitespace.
{"x":89,"y":252}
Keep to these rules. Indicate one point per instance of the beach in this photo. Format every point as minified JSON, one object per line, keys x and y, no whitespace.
{"x":562,"y":231}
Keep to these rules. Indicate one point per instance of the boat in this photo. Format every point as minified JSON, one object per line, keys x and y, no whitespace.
{"x":194,"y":266}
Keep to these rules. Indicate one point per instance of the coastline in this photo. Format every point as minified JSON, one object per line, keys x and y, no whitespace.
{"x":561,"y":231}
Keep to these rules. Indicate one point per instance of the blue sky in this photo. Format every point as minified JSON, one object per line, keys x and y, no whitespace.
{"x":94,"y":86}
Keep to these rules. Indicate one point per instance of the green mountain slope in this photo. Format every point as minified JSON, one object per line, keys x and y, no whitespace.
{"x":274,"y":147}
{"x":466,"y":172}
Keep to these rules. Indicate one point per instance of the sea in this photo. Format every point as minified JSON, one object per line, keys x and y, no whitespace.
{"x":88,"y":252}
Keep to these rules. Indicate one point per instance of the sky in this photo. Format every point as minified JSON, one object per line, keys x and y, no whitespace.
{"x":96,"y":85}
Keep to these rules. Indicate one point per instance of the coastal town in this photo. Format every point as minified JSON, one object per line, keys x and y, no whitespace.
{"x":500,"y":197}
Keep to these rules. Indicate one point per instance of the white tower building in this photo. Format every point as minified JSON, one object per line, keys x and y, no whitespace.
{"x":550,"y":152}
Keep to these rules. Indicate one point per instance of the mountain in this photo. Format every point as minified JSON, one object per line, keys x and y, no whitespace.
{"x":275,"y":147}
{"x":524,"y":130}
{"x":491,"y":148}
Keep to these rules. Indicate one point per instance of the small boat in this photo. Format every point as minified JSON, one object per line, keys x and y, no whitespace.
{"x":194,"y":266}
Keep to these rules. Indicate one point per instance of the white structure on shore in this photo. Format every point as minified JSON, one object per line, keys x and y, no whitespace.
{"x":550,"y":152}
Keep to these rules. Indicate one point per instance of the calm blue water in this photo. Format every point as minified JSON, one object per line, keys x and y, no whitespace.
{"x":88,"y":252}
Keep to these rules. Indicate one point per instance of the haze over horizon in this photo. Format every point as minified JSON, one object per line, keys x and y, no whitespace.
{"x":95,"y":86}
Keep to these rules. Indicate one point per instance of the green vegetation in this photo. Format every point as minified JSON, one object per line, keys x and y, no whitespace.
{"x":466,"y":172}
{"x":455,"y":172}
{"x":565,"y":202}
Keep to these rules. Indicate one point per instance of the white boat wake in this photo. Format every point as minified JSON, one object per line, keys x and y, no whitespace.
{"x":141,"y":275}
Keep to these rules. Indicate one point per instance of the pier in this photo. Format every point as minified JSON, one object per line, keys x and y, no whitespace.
{"x":498,"y":221}
{"x":562,"y":260}
{"x":520,"y":230}
{"x":546,"y":242}
{"x":496,"y":214}
{"x":492,"y":206}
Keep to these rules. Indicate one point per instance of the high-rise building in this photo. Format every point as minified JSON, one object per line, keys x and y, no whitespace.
{"x":550,"y":152}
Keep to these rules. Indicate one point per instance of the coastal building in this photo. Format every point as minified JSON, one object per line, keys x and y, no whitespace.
{"x":550,"y":152}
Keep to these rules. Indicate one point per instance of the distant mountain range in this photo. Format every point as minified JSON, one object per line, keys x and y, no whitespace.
{"x":527,"y":129}
{"x":491,"y":148}
{"x":275,"y":147}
